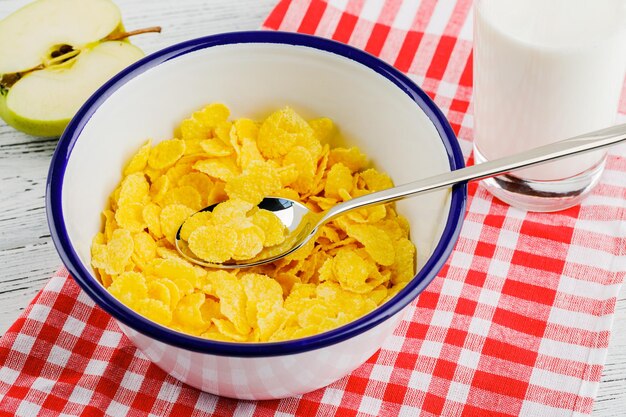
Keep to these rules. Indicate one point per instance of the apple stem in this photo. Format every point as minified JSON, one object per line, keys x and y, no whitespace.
{"x":122,"y":35}
{"x":8,"y":80}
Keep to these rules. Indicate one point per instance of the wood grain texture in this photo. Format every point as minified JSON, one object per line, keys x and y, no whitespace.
{"x":27,"y":255}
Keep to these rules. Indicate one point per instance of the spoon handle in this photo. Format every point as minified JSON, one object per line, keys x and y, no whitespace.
{"x":556,"y":150}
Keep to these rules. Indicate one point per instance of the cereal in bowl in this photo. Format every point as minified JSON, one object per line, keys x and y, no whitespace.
{"x":355,"y":263}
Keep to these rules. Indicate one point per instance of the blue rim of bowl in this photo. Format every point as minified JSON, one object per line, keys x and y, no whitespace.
{"x":140,"y":324}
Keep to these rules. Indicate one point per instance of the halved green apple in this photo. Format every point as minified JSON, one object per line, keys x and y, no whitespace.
{"x":53,"y":55}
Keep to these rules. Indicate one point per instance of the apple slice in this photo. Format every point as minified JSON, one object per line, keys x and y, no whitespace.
{"x":53,"y":55}
{"x":43,"y":102}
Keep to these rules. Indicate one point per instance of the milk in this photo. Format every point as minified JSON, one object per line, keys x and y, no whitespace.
{"x":546,"y":70}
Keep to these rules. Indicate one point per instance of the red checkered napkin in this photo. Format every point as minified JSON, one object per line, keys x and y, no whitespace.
{"x":517,"y":323}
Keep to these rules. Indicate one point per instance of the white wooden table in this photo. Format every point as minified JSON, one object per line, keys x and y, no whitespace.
{"x":27,"y":255}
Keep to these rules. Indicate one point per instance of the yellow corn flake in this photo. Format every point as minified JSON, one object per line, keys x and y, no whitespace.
{"x":231,"y":294}
{"x":281,"y":131}
{"x":192,"y":146}
{"x":249,"y":153}
{"x":155,"y":310}
{"x":344,"y":195}
{"x":184,"y":286}
{"x":329,"y":232}
{"x":119,"y":250}
{"x":378,"y":294}
{"x":130,"y":217}
{"x":264,"y":304}
{"x":130,"y":288}
{"x":173,"y":269}
{"x":311,"y":144}
{"x":305,"y":164}
{"x":258,"y":181}
{"x":339,"y":178}
{"x":191,"y":130}
{"x":134,"y":189}
{"x":249,"y":242}
{"x":231,"y":211}
{"x":288,"y":174}
{"x":166,"y":253}
{"x":375,"y":180}
{"x":376,"y":213}
{"x":326,"y":272}
{"x":166,"y":153}
{"x":201,"y":182}
{"x":179,"y":170}
{"x":159,"y":189}
{"x":151,"y":215}
{"x":105,"y":278}
{"x":213,"y":333}
{"x":139,"y":161}
{"x":286,"y":281}
{"x":404,"y":225}
{"x":376,"y":242}
{"x":109,"y":224}
{"x":210,"y":310}
{"x":351,"y":271}
{"x":315,"y":316}
{"x":220,"y":168}
{"x":318,"y":184}
{"x":171,"y":218}
{"x":151,"y":173}
{"x":323,"y":128}
{"x":273,"y":228}
{"x":404,"y":265}
{"x":158,"y":290}
{"x":202,"y":218}
{"x":144,"y":247}
{"x":369,"y":215}
{"x":323,"y":203}
{"x":228,"y":331}
{"x":215,"y":147}
{"x":222,"y":132}
{"x":185,"y":195}
{"x":213,"y":243}
{"x":212,"y":115}
{"x":99,"y":255}
{"x":188,"y":315}
{"x":99,"y":239}
{"x":300,"y":297}
{"x":217,"y":194}
{"x":261,"y":289}
{"x":202,"y":123}
{"x":392,"y":228}
{"x":350,"y":157}
{"x":246,"y":129}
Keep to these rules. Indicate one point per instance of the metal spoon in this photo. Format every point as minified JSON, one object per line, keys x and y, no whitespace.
{"x":303,"y":224}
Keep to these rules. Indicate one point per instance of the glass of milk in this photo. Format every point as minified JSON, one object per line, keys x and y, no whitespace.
{"x":545,"y":70}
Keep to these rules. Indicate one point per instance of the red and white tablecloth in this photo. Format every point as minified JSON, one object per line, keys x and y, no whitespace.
{"x":517,"y":323}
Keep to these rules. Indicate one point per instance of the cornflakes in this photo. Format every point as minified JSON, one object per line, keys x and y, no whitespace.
{"x":166,"y":153}
{"x":170,"y":219}
{"x":355,"y":263}
{"x":257,"y":181}
{"x":139,"y":161}
{"x":213,"y":243}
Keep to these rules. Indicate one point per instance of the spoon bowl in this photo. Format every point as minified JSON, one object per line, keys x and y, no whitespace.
{"x":297,"y":219}
{"x":302,"y":224}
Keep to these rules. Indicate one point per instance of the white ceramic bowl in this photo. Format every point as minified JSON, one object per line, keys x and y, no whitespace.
{"x":388,"y":116}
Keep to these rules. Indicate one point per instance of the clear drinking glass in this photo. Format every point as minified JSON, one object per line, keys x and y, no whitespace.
{"x":545,"y":70}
